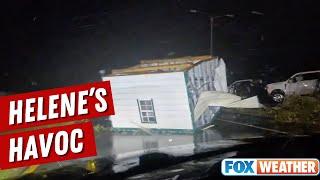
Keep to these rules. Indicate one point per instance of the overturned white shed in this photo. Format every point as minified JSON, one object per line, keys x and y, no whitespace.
{"x":162,"y":94}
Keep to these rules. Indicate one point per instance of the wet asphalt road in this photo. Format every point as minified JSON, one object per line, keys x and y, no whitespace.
{"x":114,"y":147}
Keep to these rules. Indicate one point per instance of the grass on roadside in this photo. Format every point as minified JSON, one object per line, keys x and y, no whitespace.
{"x":11,"y":173}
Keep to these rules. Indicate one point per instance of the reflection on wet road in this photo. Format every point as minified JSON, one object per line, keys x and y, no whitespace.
{"x":122,"y":152}
{"x":120,"y":145}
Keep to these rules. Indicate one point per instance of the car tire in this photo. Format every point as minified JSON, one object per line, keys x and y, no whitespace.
{"x":278,"y":96}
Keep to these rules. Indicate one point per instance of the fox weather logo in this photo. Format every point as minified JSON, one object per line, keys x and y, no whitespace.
{"x":269,"y":167}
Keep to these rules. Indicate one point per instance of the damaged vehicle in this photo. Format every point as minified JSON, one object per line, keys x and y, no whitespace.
{"x":247,"y":88}
{"x":241,"y":88}
{"x":302,"y":83}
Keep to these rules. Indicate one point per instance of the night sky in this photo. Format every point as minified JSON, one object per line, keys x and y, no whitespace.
{"x":47,"y":44}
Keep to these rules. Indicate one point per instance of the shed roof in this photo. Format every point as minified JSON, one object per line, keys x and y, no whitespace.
{"x":162,"y":65}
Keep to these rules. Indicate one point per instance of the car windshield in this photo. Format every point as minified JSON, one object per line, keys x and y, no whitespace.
{"x":127,"y":154}
{"x":133,"y":156}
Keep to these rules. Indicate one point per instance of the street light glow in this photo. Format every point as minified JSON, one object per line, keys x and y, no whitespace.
{"x":193,"y":11}
{"x":230,"y":15}
{"x":257,"y":13}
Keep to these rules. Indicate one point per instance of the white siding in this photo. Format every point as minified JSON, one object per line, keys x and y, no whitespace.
{"x":169,"y":94}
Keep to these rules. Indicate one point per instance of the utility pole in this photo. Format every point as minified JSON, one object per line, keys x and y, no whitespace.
{"x":212,"y":18}
{"x":211,"y":36}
